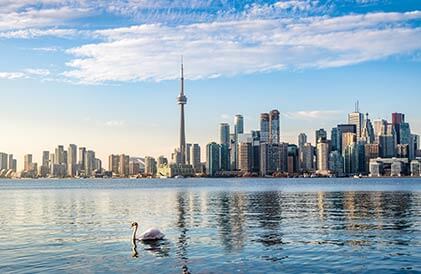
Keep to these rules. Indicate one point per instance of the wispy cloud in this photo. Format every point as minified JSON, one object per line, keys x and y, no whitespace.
{"x":26,"y":73}
{"x":11,"y":75}
{"x":151,"y":52}
{"x":115,"y":123}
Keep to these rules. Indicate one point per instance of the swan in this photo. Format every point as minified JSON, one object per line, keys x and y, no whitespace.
{"x":152,"y":234}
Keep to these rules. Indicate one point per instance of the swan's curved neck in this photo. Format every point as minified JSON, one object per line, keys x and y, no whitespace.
{"x":134,"y":233}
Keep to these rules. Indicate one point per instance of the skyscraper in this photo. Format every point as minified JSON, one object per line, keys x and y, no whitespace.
{"x":150,"y":166}
{"x":27,"y":162}
{"x":82,"y":156}
{"x":12,"y":163}
{"x":182,"y":100}
{"x":46,"y":158}
{"x":308,"y":157}
{"x":356,"y":118}
{"x":238,"y":124}
{"x":334,"y":139}
{"x":321,"y":135}
{"x":195,"y":157}
{"x":212,"y":158}
{"x":367,"y":133}
{"x":322,"y":149}
{"x":90,"y":162}
{"x":238,"y":130}
{"x":224,"y":133}
{"x":244,"y":157}
{"x":264,"y":128}
{"x":59,"y":155}
{"x":397,"y":120}
{"x":274,"y":127}
{"x":71,"y":160}
{"x":3,"y":161}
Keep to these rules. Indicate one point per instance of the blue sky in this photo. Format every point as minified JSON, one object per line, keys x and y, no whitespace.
{"x":104,"y":74}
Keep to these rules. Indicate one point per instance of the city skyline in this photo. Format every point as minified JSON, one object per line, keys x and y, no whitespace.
{"x":80,"y":72}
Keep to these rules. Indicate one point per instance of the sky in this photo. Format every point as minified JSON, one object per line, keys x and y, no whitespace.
{"x":105,"y":74}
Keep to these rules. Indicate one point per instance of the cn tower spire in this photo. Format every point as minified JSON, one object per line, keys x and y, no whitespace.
{"x":182,"y":100}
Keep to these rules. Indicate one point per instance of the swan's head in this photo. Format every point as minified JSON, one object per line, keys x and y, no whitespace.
{"x":134,"y":224}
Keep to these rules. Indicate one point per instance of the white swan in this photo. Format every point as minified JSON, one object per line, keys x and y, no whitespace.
{"x":152,"y":234}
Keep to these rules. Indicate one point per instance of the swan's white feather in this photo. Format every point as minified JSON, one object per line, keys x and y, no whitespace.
{"x":151,"y":234}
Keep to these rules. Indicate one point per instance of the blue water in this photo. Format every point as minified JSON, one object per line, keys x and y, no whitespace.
{"x":212,"y":226}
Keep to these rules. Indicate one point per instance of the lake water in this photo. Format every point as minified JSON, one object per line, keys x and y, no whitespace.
{"x":212,"y":226}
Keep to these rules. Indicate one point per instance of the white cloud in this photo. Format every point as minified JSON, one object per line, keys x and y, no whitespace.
{"x":46,"y":49}
{"x":115,"y":123}
{"x":37,"y":72}
{"x":26,"y":73}
{"x":152,"y":52}
{"x":11,"y":75}
{"x":35,"y":33}
{"x":33,"y":18}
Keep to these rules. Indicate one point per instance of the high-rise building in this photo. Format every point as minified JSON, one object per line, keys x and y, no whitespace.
{"x":150,"y":166}
{"x":397,"y":120}
{"x":367,"y":133}
{"x":90,"y":163}
{"x":3,"y":161}
{"x":181,"y":100}
{"x":123,"y":168}
{"x":293,"y":159}
{"x":308,"y":157}
{"x":264,"y":127}
{"x":114,"y":163}
{"x":372,"y":151}
{"x":195,"y":157}
{"x":238,"y":124}
{"x":72,"y":160}
{"x":344,"y":128}
{"x":356,"y":118}
{"x":302,"y":140}
{"x":82,"y":157}
{"x":334,"y":139}
{"x":224,"y":133}
{"x":322,"y":149}
{"x":59,"y":155}
{"x":321,"y":135}
{"x":255,"y":150}
{"x":350,"y":159}
{"x":28,"y":162}
{"x":12,"y":163}
{"x":187,"y":153}
{"x":224,"y":156}
{"x":46,"y":158}
{"x":212,"y":159}
{"x":244,"y":157}
{"x":273,"y":158}
{"x":336,"y":163}
{"x":348,"y":138}
{"x":98,"y":165}
{"x":274,"y":127}
{"x":379,"y":127}
{"x":387,"y":146}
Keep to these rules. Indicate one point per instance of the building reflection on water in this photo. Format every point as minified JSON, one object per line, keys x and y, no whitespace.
{"x":231,"y":220}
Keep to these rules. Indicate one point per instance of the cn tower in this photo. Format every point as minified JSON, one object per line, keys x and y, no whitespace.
{"x":182,"y":100}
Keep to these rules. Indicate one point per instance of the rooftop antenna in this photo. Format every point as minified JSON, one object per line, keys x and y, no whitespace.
{"x":357,"y":106}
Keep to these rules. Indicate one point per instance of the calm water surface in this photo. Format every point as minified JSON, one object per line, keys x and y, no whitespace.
{"x":212,"y":226}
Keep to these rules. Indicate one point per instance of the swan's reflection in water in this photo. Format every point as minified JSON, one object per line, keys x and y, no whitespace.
{"x":159,"y":248}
